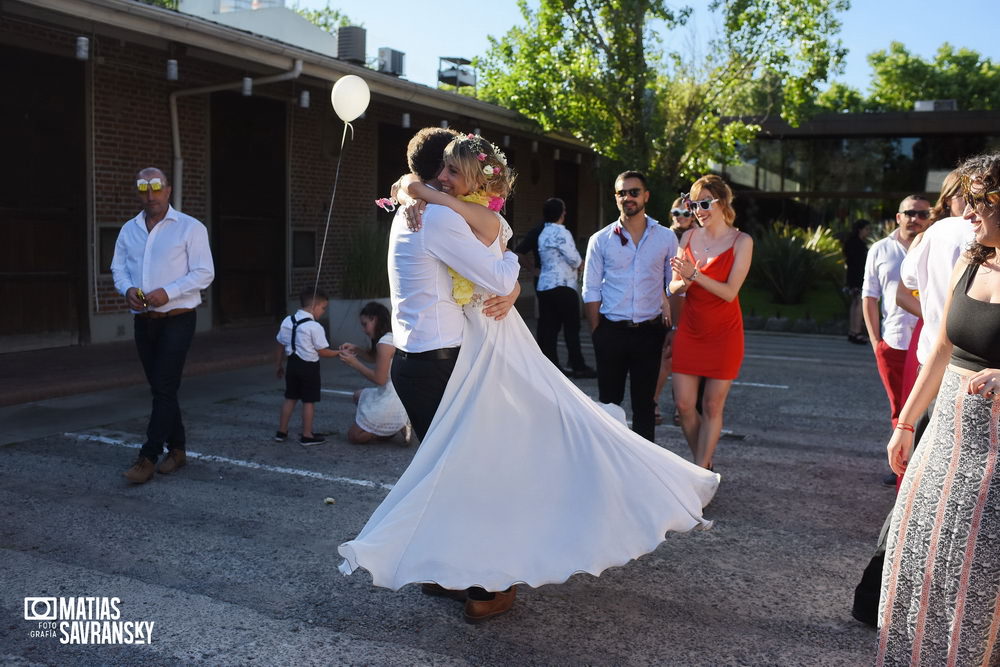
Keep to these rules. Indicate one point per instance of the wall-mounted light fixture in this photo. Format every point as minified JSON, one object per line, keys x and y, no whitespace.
{"x":303,"y":99}
{"x":477,"y":132}
{"x":506,"y":141}
{"x":172,"y":72}
{"x":247,"y":89}
{"x":534,"y":146}
{"x":444,"y":124}
{"x":82,"y":48}
{"x":405,"y":122}
{"x":579,"y":158}
{"x":555,"y":154}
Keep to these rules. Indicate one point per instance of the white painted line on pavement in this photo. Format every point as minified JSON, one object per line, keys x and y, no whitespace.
{"x":779,"y":358}
{"x":338,"y":392}
{"x":237,"y":462}
{"x":761,"y":384}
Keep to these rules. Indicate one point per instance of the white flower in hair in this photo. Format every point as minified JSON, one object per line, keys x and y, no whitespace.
{"x":488,"y":170}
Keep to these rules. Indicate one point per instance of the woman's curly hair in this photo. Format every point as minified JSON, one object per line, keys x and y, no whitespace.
{"x":985,"y":170}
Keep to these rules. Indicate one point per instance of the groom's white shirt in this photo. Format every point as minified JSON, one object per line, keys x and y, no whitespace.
{"x":424,"y":313}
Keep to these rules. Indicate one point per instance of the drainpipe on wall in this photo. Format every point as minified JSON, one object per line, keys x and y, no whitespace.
{"x":175,"y":132}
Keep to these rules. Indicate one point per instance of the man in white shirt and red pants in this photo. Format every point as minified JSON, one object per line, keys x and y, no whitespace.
{"x":891,"y":340}
{"x":162,"y":262}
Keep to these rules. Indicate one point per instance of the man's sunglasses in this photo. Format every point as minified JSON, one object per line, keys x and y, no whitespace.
{"x":154,"y":184}
{"x":631,"y":192}
{"x":923,"y":215}
{"x":679,"y":213}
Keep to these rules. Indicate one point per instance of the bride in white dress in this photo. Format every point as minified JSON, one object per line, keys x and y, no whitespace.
{"x":522,"y":478}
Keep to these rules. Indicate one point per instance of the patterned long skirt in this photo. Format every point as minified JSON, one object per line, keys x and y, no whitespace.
{"x":940,"y":601}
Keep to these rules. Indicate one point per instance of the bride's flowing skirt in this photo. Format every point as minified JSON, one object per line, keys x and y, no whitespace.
{"x":522,"y":478}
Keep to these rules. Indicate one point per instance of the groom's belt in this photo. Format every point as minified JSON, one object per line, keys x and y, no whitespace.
{"x":439,"y":354}
{"x":628,"y":324}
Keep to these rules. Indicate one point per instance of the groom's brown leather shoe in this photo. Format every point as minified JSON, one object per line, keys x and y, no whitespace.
{"x":442,"y":592}
{"x":477,"y":611}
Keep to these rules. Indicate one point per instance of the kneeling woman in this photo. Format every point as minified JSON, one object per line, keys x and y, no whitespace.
{"x":380,"y":413}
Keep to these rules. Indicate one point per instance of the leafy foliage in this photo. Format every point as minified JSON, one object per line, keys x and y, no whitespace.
{"x":900,"y":78}
{"x":596,"y":69}
{"x":366,"y":274}
{"x":328,"y":19}
{"x":789,"y":261}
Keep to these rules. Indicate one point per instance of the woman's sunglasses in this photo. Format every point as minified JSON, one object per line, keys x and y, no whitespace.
{"x":679,"y":213}
{"x":705,"y":204}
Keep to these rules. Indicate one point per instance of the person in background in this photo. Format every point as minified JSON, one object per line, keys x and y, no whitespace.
{"x":710,"y":267}
{"x":558,"y":300}
{"x":380,"y":413}
{"x":162,"y":263}
{"x":855,"y":254}
{"x":302,"y":340}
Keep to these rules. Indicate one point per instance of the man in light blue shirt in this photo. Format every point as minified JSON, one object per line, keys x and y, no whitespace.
{"x":558,"y":301}
{"x":625,"y":300}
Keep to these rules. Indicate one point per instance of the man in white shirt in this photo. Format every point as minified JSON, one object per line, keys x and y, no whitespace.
{"x":162,"y":262}
{"x":558,"y":301}
{"x":624,"y":297}
{"x":427,"y":323}
{"x":891,"y":339}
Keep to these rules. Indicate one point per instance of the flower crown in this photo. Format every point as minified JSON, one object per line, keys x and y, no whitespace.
{"x":481,"y":148}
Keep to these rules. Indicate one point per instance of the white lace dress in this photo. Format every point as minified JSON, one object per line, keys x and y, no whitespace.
{"x":522,"y":478}
{"x":379,"y":408}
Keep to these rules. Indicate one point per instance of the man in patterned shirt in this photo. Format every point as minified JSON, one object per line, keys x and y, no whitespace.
{"x":558,"y":302}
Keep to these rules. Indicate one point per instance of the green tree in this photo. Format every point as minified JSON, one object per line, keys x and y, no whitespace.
{"x":328,"y":19}
{"x":598,"y":69}
{"x":900,"y":78}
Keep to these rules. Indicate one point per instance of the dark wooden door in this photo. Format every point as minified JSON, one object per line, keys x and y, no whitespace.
{"x":43,"y":185}
{"x":248,"y":208}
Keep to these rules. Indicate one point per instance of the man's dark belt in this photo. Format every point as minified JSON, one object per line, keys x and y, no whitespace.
{"x":431,"y":355}
{"x":626,"y":324}
{"x":159,"y":314}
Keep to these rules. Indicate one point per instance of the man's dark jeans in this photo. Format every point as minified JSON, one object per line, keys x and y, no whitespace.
{"x":163,"y":345}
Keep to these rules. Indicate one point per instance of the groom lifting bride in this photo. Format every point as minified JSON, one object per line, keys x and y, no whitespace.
{"x":520,"y":477}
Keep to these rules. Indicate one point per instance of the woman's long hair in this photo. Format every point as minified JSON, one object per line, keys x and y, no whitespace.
{"x":951,"y":187}
{"x":383,"y":322}
{"x":984,"y":169}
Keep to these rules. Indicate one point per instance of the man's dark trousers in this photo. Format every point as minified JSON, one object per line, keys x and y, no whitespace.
{"x":163,"y":344}
{"x":559,"y":307}
{"x":624,"y":349}
{"x":420,"y":384}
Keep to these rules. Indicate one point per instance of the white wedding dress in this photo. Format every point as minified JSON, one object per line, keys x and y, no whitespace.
{"x":522,"y":478}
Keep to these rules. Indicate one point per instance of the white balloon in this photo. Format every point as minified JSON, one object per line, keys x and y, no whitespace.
{"x":350,"y":97}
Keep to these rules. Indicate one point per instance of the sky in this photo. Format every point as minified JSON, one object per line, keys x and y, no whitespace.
{"x":461,"y":29}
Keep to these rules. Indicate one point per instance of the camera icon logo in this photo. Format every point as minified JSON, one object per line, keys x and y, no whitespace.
{"x":40,"y":609}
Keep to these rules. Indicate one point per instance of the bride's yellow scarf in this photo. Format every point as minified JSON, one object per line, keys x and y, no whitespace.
{"x":461,"y":287}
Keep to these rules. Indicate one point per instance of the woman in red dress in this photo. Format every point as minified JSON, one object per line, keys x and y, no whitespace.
{"x":711,"y":265}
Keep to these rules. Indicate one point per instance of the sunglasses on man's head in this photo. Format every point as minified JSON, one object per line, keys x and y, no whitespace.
{"x":144,"y":185}
{"x":679,"y":213}
{"x":923,"y":215}
{"x":631,"y":192}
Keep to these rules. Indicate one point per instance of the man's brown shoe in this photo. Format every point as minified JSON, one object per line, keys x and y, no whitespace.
{"x":477,"y":611}
{"x":176,"y":458}
{"x":141,"y":471}
{"x":442,"y":592}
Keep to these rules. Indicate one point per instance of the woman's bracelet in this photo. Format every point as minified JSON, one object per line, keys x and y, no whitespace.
{"x":902,"y":426}
{"x":694,"y":274}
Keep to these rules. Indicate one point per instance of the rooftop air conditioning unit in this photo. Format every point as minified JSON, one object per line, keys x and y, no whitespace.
{"x":351,"y":44}
{"x":390,"y":61}
{"x":935,"y":105}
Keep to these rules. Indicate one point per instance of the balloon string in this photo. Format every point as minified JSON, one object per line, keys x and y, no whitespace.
{"x":329,"y":211}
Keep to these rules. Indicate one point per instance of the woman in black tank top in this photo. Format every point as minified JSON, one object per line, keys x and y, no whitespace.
{"x":940,"y":601}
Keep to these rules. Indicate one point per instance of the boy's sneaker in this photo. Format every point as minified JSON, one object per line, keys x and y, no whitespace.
{"x":279,"y":436}
{"x":311,"y":440}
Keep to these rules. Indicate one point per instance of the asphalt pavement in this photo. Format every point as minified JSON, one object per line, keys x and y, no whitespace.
{"x":233,"y":559}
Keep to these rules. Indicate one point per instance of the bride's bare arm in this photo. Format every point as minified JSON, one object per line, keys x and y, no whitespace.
{"x":484,"y":223}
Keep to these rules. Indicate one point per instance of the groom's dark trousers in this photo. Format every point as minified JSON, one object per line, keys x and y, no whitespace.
{"x":419,"y":379}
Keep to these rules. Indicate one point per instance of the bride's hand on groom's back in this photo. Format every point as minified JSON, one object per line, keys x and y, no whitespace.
{"x":414,"y":211}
